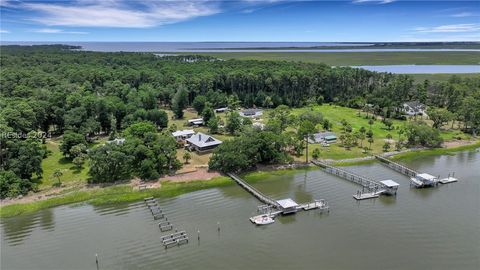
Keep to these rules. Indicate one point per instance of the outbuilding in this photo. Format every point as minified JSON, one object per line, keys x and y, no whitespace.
{"x":196,"y":122}
{"x":181,"y":135}
{"x":323,"y":137}
{"x":252,"y":113}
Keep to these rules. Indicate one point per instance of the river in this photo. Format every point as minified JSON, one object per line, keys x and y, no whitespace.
{"x":436,"y":228}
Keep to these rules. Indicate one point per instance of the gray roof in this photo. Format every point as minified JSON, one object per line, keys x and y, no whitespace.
{"x":415,"y":104}
{"x":185,"y":132}
{"x":318,"y":137}
{"x":287,"y":203}
{"x":203,"y":140}
{"x":250,"y":112}
{"x":390,"y":183}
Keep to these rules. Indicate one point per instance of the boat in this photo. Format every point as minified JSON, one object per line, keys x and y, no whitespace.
{"x":424,"y":179}
{"x":262,"y":220}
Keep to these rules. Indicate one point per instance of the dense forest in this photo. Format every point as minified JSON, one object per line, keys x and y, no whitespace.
{"x":62,"y":90}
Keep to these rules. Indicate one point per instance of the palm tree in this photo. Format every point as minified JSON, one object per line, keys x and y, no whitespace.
{"x":57,"y":174}
{"x":370,"y":141}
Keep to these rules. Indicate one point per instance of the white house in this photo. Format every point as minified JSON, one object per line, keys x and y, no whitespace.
{"x":221,"y":110}
{"x":414,"y":108}
{"x":117,"y":141}
{"x":181,"y":135}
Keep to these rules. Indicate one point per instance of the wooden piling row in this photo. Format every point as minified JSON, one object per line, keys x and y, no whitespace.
{"x":174,"y":239}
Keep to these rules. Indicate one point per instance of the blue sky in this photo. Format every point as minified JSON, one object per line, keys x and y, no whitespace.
{"x":242,"y":20}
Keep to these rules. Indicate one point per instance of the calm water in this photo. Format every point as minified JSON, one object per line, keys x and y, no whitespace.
{"x":225,"y":47}
{"x":424,"y":69}
{"x":435,"y":228}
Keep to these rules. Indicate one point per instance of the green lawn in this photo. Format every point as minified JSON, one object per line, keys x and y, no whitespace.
{"x":359,"y":58}
{"x":71,"y":175}
{"x":336,"y":113}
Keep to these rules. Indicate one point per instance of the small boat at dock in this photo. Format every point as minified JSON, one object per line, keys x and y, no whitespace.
{"x":262,"y":219}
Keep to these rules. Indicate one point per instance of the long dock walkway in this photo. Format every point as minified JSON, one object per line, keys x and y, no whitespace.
{"x":397,"y":166}
{"x":352,"y":177}
{"x":260,"y":196}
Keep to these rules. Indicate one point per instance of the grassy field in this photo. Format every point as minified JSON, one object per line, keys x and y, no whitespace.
{"x":335,"y":114}
{"x":71,"y":175}
{"x":419,"y":78}
{"x":359,"y":58}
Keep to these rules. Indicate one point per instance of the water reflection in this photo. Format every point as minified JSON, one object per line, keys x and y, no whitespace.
{"x":17,"y":230}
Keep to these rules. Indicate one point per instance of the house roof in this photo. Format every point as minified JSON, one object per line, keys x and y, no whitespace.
{"x":324,"y":135}
{"x":414,"y":104}
{"x":251,"y":112}
{"x":183,"y":132}
{"x":195,"y":120}
{"x":390,"y":183}
{"x":203,"y":140}
{"x":287,"y":203}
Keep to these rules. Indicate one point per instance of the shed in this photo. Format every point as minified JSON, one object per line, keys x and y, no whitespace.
{"x":195,"y":122}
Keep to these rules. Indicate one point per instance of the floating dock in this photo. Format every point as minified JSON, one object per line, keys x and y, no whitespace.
{"x":374,"y":188}
{"x":448,"y":180}
{"x":272,"y":207}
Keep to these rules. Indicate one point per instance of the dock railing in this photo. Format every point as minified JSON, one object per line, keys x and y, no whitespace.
{"x":397,"y":166}
{"x":350,"y":176}
{"x":260,"y":196}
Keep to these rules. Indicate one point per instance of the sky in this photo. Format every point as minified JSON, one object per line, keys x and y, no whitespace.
{"x":239,"y":20}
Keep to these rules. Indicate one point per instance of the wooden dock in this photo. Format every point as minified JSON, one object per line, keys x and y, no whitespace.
{"x":365,"y":182}
{"x":260,"y":196}
{"x":397,"y":166}
{"x":272,"y":208}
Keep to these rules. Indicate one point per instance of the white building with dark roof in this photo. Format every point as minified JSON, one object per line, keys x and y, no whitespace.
{"x":414,"y":108}
{"x":196,"y":122}
{"x":181,"y":135}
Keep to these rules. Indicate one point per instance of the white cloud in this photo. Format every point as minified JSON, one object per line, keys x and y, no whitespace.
{"x":57,"y":31}
{"x":4,"y":31}
{"x":450,"y":28}
{"x":121,"y":13}
{"x":4,"y":3}
{"x":440,"y":38}
{"x":462,"y":15}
